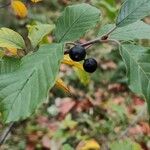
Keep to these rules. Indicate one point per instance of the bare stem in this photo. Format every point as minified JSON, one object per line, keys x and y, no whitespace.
{"x":109,"y":32}
{"x":5,"y":133}
{"x":102,"y":39}
{"x":98,"y":40}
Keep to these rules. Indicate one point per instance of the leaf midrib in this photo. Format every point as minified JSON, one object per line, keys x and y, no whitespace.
{"x":20,"y":90}
{"x":138,"y":64}
{"x":72,"y":25}
{"x":18,"y":45}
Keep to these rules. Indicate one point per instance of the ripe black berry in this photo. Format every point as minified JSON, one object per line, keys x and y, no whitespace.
{"x":90,"y":65}
{"x":77,"y":53}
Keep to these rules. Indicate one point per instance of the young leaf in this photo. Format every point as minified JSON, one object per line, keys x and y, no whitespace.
{"x":11,"y":39}
{"x":133,"y":10}
{"x":75,"y":21}
{"x":23,"y":90}
{"x":137,"y":30}
{"x":38,"y":32}
{"x":137,"y":63}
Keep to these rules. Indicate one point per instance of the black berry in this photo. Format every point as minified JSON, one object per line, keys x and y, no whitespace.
{"x":90,"y":65}
{"x":77,"y":53}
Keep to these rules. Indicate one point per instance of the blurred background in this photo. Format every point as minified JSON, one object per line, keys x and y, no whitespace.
{"x":102,"y":107}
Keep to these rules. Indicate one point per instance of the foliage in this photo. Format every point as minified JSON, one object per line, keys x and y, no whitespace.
{"x":30,"y":64}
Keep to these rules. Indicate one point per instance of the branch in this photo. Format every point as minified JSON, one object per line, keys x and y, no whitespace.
{"x":98,"y":40}
{"x":102,"y":39}
{"x":5,"y":133}
{"x":109,"y":32}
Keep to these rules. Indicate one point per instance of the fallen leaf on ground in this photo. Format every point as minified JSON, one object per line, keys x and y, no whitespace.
{"x":87,"y":145}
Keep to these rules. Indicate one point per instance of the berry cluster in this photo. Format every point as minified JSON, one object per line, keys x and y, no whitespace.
{"x":78,"y":53}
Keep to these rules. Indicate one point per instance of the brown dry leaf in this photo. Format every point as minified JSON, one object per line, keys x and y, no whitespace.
{"x":138,"y":101}
{"x":83,"y":105}
{"x":66,"y":105}
{"x":19,"y":8}
{"x":42,"y":121}
{"x":145,"y":127}
{"x":87,"y":145}
{"x":137,"y":130}
{"x":108,"y":65}
{"x":32,"y":137}
{"x":30,"y":147}
{"x":46,"y":142}
{"x":118,"y":100}
{"x":116,"y":87}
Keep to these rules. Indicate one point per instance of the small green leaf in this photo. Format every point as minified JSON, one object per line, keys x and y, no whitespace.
{"x":125,"y":145}
{"x":133,"y":10}
{"x":11,"y":39}
{"x":38,"y":32}
{"x":23,"y":90}
{"x":75,"y":21}
{"x":137,"y":30}
{"x":67,"y":147}
{"x":137,"y":63}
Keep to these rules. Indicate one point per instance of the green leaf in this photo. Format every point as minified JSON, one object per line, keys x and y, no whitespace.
{"x":109,"y":7}
{"x":133,"y":10}
{"x":125,"y":145}
{"x":11,"y":39}
{"x":38,"y":32}
{"x":137,"y":63}
{"x":120,"y":110}
{"x":137,"y":30}
{"x":1,"y":53}
{"x":8,"y":65}
{"x":75,"y":21}
{"x":67,"y":147}
{"x":103,"y":30}
{"x":23,"y":90}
